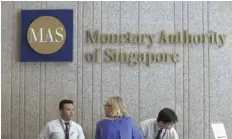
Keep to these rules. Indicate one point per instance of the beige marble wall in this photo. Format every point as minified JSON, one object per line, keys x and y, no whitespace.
{"x":198,"y":87}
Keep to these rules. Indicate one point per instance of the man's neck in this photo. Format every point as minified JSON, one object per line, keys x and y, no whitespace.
{"x":65,"y":120}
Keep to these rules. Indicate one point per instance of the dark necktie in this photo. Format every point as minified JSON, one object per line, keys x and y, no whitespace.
{"x":66,"y":130}
{"x":158,"y":135}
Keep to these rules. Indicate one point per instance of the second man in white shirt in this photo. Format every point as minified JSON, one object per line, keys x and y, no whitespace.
{"x":162,"y":127}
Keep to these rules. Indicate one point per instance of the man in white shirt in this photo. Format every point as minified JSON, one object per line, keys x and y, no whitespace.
{"x":63,"y":127}
{"x":162,"y":128}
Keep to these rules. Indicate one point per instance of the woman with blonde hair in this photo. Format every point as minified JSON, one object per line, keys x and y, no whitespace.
{"x":117,"y":125}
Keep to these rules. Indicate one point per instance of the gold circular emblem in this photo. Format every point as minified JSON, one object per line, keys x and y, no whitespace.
{"x":46,"y":35}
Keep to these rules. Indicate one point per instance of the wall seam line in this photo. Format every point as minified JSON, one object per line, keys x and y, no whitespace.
{"x":174,"y":14}
{"x":202,"y":7}
{"x":76,"y":94}
{"x":101,"y":66}
{"x":92,"y":67}
{"x":139,"y":64}
{"x":208,"y":69}
{"x":120,"y":63}
{"x":82,"y":64}
{"x":183,"y":89}
{"x":10,"y":117}
{"x":188,"y":71}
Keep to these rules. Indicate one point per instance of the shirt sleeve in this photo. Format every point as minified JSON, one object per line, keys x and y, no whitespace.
{"x":81,"y":133}
{"x":98,"y":132}
{"x":174,"y":134}
{"x":136,"y":133}
{"x":143,"y":129}
{"x":45,"y":133}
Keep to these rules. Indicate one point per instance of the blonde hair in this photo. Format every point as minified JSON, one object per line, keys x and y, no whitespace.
{"x":119,"y":108}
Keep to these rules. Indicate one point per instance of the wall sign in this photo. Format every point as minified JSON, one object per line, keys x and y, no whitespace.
{"x":46,"y":35}
{"x":110,"y":55}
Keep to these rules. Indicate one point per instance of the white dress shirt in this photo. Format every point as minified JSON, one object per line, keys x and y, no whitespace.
{"x":54,"y":130}
{"x":150,"y":129}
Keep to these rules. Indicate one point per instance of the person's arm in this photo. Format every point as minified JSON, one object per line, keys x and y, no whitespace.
{"x":45,"y":133}
{"x":81,"y":133}
{"x":143,"y":128}
{"x":136,"y":133}
{"x":174,"y":134}
{"x":98,"y":132}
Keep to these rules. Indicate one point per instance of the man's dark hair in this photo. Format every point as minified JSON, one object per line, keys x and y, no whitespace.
{"x":167,"y":115}
{"x":65,"y":101}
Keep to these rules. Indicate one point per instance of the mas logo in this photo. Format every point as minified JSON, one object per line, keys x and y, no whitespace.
{"x":46,"y":35}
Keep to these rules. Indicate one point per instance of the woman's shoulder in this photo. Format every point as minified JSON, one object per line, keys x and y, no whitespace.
{"x":109,"y":120}
{"x":103,"y":121}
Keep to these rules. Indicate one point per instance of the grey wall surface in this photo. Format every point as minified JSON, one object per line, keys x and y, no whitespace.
{"x":198,"y":87}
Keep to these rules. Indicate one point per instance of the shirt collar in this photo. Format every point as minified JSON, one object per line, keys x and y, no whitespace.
{"x":63,"y":122}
